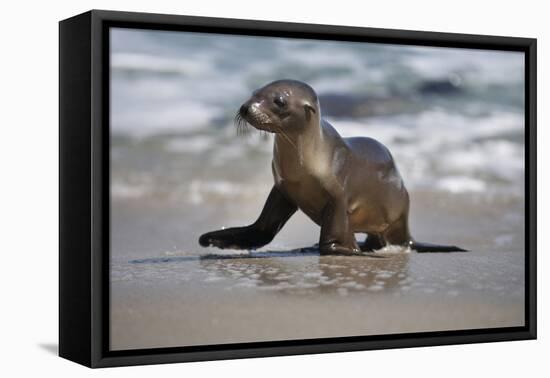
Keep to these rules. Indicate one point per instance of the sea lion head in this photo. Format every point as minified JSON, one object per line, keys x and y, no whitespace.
{"x":283,"y":106}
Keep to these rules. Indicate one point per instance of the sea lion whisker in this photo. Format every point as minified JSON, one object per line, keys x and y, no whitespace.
{"x":238,"y":123}
{"x":243,"y":128}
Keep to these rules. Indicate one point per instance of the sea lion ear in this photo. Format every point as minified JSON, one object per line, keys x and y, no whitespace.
{"x":309,"y":109}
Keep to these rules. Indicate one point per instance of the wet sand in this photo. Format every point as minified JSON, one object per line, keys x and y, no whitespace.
{"x":167,"y":291}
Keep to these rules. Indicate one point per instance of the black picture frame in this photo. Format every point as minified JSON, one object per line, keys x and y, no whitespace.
{"x":84,"y":188}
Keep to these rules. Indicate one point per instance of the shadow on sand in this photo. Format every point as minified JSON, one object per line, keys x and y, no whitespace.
{"x":297,"y":252}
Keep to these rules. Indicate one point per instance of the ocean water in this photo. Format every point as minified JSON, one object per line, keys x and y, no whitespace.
{"x":453,"y":118}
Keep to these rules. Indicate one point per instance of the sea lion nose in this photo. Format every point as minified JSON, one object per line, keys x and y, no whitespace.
{"x":243,"y":110}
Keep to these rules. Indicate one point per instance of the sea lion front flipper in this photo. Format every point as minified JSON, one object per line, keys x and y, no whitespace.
{"x":277,"y":210}
{"x":336,"y":236}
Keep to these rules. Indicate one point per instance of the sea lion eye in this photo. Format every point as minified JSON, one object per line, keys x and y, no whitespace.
{"x":279,"y":101}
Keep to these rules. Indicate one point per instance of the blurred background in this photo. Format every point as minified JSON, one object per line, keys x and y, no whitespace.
{"x":452,"y":118}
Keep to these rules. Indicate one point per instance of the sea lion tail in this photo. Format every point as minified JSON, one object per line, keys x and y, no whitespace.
{"x":429,"y":247}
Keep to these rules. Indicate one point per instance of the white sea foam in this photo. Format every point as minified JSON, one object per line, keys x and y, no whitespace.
{"x":182,"y":116}
{"x":199,"y":190}
{"x":434,"y":62}
{"x":155,"y":64}
{"x":459,"y":184}
{"x":122,"y":190}
{"x":394,"y":249}
{"x":190,"y":144}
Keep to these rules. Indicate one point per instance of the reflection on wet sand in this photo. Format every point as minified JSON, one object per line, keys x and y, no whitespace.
{"x":296,"y":271}
{"x":321,"y":274}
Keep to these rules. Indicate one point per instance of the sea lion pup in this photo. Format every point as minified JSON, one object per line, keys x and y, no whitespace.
{"x":345,"y":185}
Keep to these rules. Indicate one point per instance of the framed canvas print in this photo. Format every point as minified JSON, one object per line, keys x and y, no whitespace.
{"x":235,"y":188}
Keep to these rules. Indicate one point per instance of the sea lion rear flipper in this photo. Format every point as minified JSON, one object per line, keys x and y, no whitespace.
{"x":429,"y":247}
{"x":398,"y":234}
